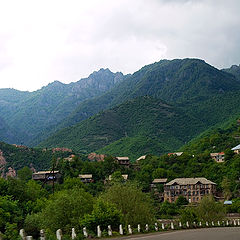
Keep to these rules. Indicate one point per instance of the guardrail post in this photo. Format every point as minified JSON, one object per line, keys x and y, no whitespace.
{"x":85,"y":234}
{"x":109,"y":230}
{"x":146,"y":228}
{"x":120,"y":229}
{"x":74,"y":235}
{"x":99,"y":232}
{"x":163,"y":226}
{"x":22,"y":234}
{"x":42,"y":234}
{"x":156,"y":227}
{"x":59,"y":234}
{"x":129,"y":229}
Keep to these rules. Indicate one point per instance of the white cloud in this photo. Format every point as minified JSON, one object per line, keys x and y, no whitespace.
{"x":48,"y":40}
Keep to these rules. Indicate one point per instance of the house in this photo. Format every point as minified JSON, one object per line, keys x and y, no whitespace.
{"x":175,"y":154}
{"x":125,"y":177}
{"x":86,"y":178}
{"x":236,"y":149}
{"x":157,"y":186}
{"x":124,"y":161}
{"x":46,"y":176}
{"x":218,"y":157}
{"x":141,"y":158}
{"x":193,"y":189}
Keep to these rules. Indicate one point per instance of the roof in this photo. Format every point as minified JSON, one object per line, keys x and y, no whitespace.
{"x":186,"y":181}
{"x":160,"y":180}
{"x":45,"y":172}
{"x":85,"y":175}
{"x":122,"y":158}
{"x":176,"y":153}
{"x":216,"y":154}
{"x":125,"y":177}
{"x":142,"y":157}
{"x":236,"y":148}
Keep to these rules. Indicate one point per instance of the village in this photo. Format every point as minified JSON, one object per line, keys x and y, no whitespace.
{"x":193,"y":189}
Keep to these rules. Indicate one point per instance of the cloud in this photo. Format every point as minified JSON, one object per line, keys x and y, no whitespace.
{"x":48,"y":40}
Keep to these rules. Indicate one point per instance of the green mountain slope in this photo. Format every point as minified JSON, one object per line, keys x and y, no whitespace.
{"x":217,"y":139}
{"x":30,"y":113}
{"x":19,"y":156}
{"x":234,"y":70}
{"x":138,"y":126}
{"x":176,"y":81}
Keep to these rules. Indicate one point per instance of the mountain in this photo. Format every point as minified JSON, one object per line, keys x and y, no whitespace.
{"x":18,"y":156}
{"x":30,"y":113}
{"x":234,"y":70}
{"x":203,"y":94}
{"x":138,"y":126}
{"x":6,"y":133}
{"x":176,"y":81}
{"x":217,"y":139}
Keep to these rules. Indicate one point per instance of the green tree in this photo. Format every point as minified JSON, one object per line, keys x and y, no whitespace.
{"x":226,"y":185}
{"x":24,"y":174}
{"x":209,"y":210}
{"x":135,"y":205}
{"x":65,"y":209}
{"x":103,"y":214}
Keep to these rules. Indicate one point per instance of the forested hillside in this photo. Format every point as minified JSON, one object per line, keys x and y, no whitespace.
{"x":223,"y":137}
{"x":205,"y":96}
{"x":30,"y":113}
{"x":139,"y":126}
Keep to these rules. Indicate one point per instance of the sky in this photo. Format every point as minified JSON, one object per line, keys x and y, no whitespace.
{"x":47,"y":40}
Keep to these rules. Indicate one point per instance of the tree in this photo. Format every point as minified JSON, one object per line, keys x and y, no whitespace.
{"x":209,"y":210}
{"x":24,"y":174}
{"x":226,"y":185}
{"x":103,"y":214}
{"x":136,"y":206}
{"x":65,"y":209}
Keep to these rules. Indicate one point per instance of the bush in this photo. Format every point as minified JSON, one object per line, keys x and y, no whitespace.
{"x":103,"y":214}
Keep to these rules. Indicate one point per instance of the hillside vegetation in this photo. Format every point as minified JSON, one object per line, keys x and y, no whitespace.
{"x":202,"y":95}
{"x":30,"y":113}
{"x":139,"y":126}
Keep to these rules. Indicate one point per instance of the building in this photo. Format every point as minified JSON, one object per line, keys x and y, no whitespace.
{"x":47,"y":176}
{"x":175,"y":154}
{"x":141,"y":158}
{"x":124,"y":161}
{"x":124,"y":176}
{"x":236,"y":149}
{"x":194,"y":189}
{"x":86,"y":178}
{"x":157,"y":186}
{"x":218,"y":157}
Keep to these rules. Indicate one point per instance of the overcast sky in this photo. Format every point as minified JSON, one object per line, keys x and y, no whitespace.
{"x":47,"y":40}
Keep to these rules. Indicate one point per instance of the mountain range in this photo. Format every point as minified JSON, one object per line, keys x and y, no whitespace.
{"x":155,"y":110}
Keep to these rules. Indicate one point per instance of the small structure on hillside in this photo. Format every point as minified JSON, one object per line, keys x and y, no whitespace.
{"x":157,"y":186}
{"x":141,"y":158}
{"x":124,"y":161}
{"x":175,"y":154}
{"x":47,"y":176}
{"x":218,"y":157}
{"x":236,"y":149}
{"x":125,"y":177}
{"x":193,"y":189}
{"x":86,"y":178}
{"x":69,"y":158}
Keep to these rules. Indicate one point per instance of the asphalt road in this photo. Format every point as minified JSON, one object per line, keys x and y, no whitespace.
{"x":227,"y":233}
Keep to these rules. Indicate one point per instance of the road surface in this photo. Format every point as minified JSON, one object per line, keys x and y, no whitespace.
{"x":227,"y":233}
